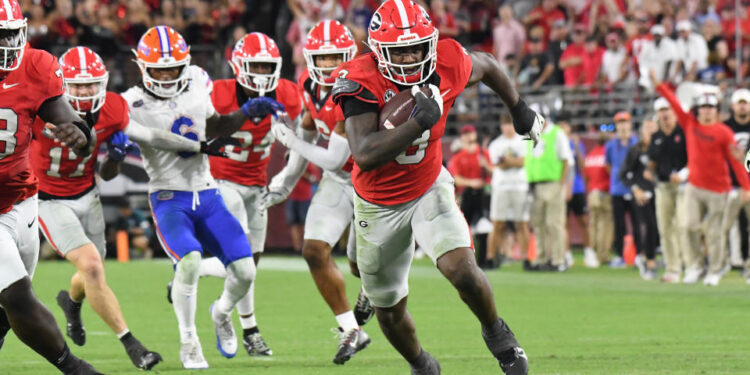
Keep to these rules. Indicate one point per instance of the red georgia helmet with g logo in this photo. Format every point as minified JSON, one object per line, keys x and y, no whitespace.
{"x":13,"y":24}
{"x":81,"y":65}
{"x":403,"y":23}
{"x":256,"y":48}
{"x":327,"y":38}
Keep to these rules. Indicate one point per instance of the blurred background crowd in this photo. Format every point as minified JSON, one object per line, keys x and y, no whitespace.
{"x":584,"y":62}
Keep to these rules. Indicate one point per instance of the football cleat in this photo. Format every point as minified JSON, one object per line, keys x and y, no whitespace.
{"x":514,"y":362}
{"x":590,"y":260}
{"x":191,"y":355}
{"x":226,"y":340}
{"x":692,"y":275}
{"x":141,"y":357}
{"x":363,"y":310}
{"x":72,"y":311}
{"x":255,"y":345}
{"x":350,"y":342}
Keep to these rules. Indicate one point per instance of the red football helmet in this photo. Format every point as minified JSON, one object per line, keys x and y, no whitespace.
{"x":163,"y":47}
{"x":327,"y":38}
{"x":256,"y":48}
{"x":82,"y":66}
{"x":403,"y":23}
{"x":12,"y":35}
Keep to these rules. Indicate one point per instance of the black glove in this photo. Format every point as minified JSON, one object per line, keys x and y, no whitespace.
{"x":214,"y":146}
{"x":523,"y":117}
{"x":428,"y":110}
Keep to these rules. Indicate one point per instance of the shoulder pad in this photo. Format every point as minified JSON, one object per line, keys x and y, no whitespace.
{"x":345,"y":87}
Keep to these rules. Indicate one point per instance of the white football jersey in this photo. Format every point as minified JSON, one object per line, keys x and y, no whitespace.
{"x":184,"y":114}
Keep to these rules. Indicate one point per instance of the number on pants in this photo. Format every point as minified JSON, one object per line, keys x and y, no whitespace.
{"x":55,"y":155}
{"x":415,"y":153}
{"x":242,"y":154}
{"x":8,"y":129}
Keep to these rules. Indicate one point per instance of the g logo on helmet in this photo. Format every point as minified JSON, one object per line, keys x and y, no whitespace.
{"x":376,"y":22}
{"x":747,"y":161}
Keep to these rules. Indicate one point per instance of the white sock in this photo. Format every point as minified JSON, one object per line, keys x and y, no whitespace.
{"x":184,"y":301}
{"x":347,"y":321}
{"x":185,"y":295}
{"x":245,"y":307}
{"x":589,"y":248}
{"x":212,"y":267}
{"x":240,"y":275}
{"x":123,"y":333}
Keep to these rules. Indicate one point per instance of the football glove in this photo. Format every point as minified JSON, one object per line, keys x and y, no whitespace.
{"x":527,"y":122}
{"x":214,"y":146}
{"x":119,"y":146}
{"x":261,"y":107}
{"x":428,"y":110}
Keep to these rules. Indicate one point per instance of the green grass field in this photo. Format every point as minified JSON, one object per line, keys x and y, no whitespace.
{"x":580,"y":322}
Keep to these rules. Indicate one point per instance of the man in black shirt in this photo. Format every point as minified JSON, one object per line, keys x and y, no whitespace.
{"x":736,"y":210}
{"x":558,"y":41}
{"x":537,"y":66}
{"x":667,"y":168}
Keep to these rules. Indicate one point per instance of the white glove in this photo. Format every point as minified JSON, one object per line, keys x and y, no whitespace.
{"x":536,"y":130}
{"x":276,"y":192}
{"x":282,"y":132}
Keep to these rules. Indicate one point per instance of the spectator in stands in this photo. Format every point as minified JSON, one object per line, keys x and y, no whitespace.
{"x":510,"y":202}
{"x":358,"y":16}
{"x":479,"y":14}
{"x":692,"y":50}
{"x":571,"y":61}
{"x":715,"y":70}
{"x":462,"y":20}
{"x":508,"y":35}
{"x":715,"y":41}
{"x":171,"y":14}
{"x":642,"y":188}
{"x":137,"y":226}
{"x":658,"y":55}
{"x":298,"y":203}
{"x":536,"y":67}
{"x":443,"y":20}
{"x":668,"y":169}
{"x":596,"y":175}
{"x":546,"y":169}
{"x":614,"y":67}
{"x":576,"y":197}
{"x":711,"y":151}
{"x":622,"y":200}
{"x":635,"y":44}
{"x":592,"y":62}
{"x":558,"y":41}
{"x":736,"y":210}
{"x":468,"y":167}
{"x":545,"y":16}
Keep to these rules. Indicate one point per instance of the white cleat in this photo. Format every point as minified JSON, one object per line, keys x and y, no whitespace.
{"x":191,"y":355}
{"x":589,"y":259}
{"x":692,"y":275}
{"x":713,"y":279}
{"x":569,"y":260}
{"x":226,"y":340}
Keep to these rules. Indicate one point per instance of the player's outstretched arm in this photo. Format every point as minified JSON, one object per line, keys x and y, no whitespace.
{"x":330,"y":158}
{"x":69,"y":128}
{"x":160,"y":139}
{"x":224,"y":125}
{"x":486,"y":69}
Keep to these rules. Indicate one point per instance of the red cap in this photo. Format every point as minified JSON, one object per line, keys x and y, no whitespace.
{"x":469,"y":128}
{"x":622,"y":116}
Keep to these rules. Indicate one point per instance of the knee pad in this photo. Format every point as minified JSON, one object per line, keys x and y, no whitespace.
{"x":243,"y":269}
{"x":187,"y":268}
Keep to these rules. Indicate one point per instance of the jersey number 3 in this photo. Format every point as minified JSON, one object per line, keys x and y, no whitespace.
{"x":8,"y":129}
{"x":416,"y":151}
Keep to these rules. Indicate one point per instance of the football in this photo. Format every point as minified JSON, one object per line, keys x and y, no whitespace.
{"x":399,"y":109}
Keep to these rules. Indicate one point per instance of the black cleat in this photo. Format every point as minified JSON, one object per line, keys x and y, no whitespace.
{"x":350,"y":342}
{"x":256,"y":346}
{"x":514,"y":361}
{"x":169,"y":291}
{"x":72,"y":311}
{"x":363,"y":310}
{"x":141,"y":357}
{"x":84,"y":368}
{"x":430,"y":367}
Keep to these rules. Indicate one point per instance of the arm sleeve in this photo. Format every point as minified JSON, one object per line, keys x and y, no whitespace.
{"x":160,"y":139}
{"x":332,"y":158}
{"x":684,"y":119}
{"x":295,"y":167}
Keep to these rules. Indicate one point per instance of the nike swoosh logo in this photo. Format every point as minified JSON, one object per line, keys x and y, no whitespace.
{"x":328,"y":108}
{"x":100,"y":131}
{"x":32,"y":222}
{"x":7,"y":86}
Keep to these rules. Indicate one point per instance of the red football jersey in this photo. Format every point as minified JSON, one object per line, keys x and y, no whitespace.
{"x":60,"y":171}
{"x":23,"y":90}
{"x":247,"y":163}
{"x":324,"y":112}
{"x":414,"y":170}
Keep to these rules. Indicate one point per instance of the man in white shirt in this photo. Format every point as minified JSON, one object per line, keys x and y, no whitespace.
{"x":692,"y":49}
{"x":510,"y":200}
{"x":657,"y":55}
{"x":613,"y":69}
